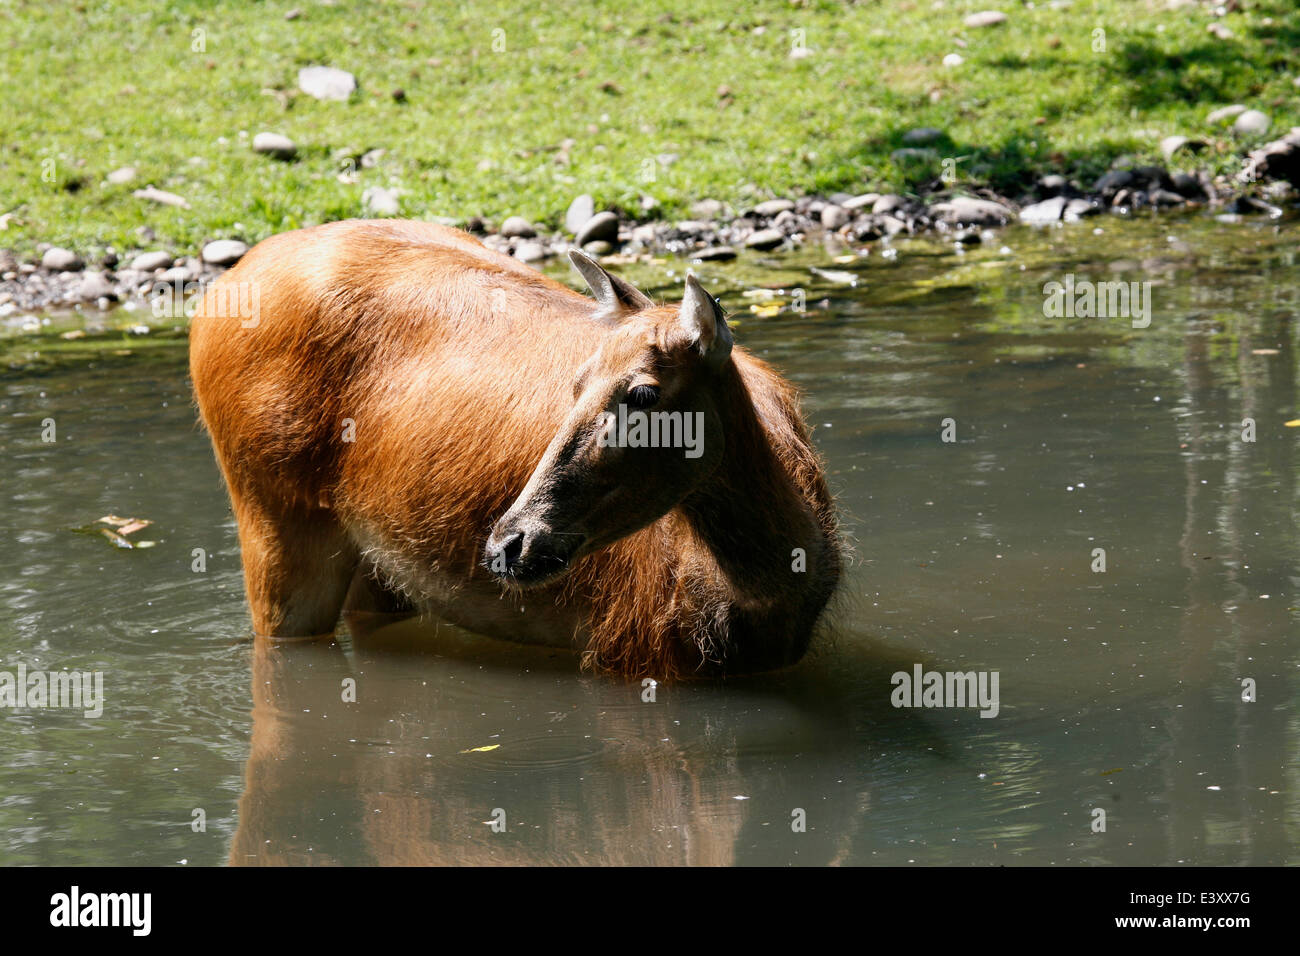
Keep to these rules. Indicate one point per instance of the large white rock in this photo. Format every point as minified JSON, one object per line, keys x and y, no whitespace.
{"x":327,"y":83}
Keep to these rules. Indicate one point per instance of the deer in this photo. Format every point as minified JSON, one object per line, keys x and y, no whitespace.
{"x":407,"y":421}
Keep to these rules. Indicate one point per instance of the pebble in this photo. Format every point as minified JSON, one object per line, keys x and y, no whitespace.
{"x":274,"y":145}
{"x":858,"y":202}
{"x":602,"y":226}
{"x":95,"y":285}
{"x":922,"y":136}
{"x":151,"y":261}
{"x":967,"y":211}
{"x":378,"y":201}
{"x":953,"y":59}
{"x":327,"y":83}
{"x":517,"y":227}
{"x":773,"y":207}
{"x":985,"y":18}
{"x":765,"y":239}
{"x":599,"y":247}
{"x":224,"y":252}
{"x":834,"y":217}
{"x":121,"y":175}
{"x":161,"y":196}
{"x":1251,"y":123}
{"x":1049,"y":210}
{"x":580,"y":210}
{"x":58,"y":259}
{"x":531,"y":251}
{"x":714,"y":254}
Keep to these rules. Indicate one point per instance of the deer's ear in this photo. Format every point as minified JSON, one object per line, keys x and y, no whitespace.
{"x":613,"y":294}
{"x":703,"y":320}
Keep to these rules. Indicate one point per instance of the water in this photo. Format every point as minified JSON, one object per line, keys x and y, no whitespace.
{"x":1119,"y":691}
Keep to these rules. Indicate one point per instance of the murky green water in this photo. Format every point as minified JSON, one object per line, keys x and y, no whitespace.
{"x":1119,"y":691}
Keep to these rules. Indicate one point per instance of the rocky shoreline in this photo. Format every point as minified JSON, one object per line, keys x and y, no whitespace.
{"x":716,"y":232}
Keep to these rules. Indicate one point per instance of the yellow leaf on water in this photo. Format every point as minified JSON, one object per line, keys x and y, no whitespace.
{"x":479,"y":750}
{"x":1293,"y":423}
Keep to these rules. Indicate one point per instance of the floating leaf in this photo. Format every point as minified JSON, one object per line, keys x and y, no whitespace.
{"x":1293,"y":423}
{"x":479,"y":750}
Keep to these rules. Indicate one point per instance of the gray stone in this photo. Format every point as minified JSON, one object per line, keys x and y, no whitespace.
{"x":773,"y":207}
{"x":176,"y":275}
{"x":708,"y":209}
{"x":1251,"y":123}
{"x":1049,"y":210}
{"x":714,"y":254}
{"x":378,"y":201}
{"x":765,"y":239}
{"x":1052,"y":184}
{"x":224,"y":252}
{"x":274,"y":145}
{"x":910,"y":154}
{"x":966,"y":211}
{"x":599,"y":247}
{"x":1078,"y":208}
{"x":985,"y":18}
{"x":327,"y":83}
{"x":120,"y":176}
{"x":888,"y":203}
{"x":151,"y":261}
{"x":833,"y":217}
{"x":517,"y":227}
{"x":1221,"y":116}
{"x":601,"y":227}
{"x":58,"y":259}
{"x":692,"y":227}
{"x":530,"y":251}
{"x":580,"y":210}
{"x":858,"y":202}
{"x":95,"y":285}
{"x":161,"y":196}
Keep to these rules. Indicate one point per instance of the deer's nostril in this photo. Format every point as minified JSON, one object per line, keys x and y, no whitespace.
{"x":512,"y":549}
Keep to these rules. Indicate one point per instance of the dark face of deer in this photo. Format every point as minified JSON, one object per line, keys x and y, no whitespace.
{"x":644,"y":431}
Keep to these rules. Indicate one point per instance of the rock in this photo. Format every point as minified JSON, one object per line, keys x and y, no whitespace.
{"x":95,"y":285}
{"x":692,"y":227}
{"x":151,"y":261}
{"x":966,"y":211}
{"x":602,"y":226}
{"x":922,"y":136}
{"x":121,"y":175}
{"x":580,"y":210}
{"x":645,"y":234}
{"x":1052,"y":185}
{"x":773,"y":207}
{"x":859,"y":202}
{"x":834,"y":217}
{"x":58,"y":259}
{"x":517,"y":227}
{"x":274,"y":145}
{"x":531,"y":251}
{"x":985,"y":18}
{"x":1113,"y":181}
{"x":176,"y":275}
{"x":1221,"y":116}
{"x":1251,"y":123}
{"x":765,"y":239}
{"x":953,"y":59}
{"x":1188,"y":185}
{"x":1172,"y":144}
{"x":599,"y":247}
{"x":708,"y":209}
{"x":714,"y":254}
{"x":1279,"y":159}
{"x":327,"y":83}
{"x":1165,"y":197}
{"x":1076,"y":209}
{"x":378,"y":201}
{"x":1049,"y":210}
{"x":224,"y":252}
{"x":161,"y":196}
{"x":889,"y":203}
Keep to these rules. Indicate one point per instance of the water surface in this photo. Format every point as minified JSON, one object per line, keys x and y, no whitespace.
{"x":1119,"y":691}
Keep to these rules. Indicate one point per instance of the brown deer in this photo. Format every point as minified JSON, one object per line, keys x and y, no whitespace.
{"x":394,"y":403}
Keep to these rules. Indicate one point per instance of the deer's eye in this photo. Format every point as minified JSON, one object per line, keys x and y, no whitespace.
{"x":642,"y":396}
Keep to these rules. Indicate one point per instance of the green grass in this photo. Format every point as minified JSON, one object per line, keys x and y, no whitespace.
{"x":92,"y":86}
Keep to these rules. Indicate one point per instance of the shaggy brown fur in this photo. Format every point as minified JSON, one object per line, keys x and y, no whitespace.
{"x":390,"y":390}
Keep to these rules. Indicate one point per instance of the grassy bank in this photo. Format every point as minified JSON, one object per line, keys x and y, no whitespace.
{"x":500,"y":112}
